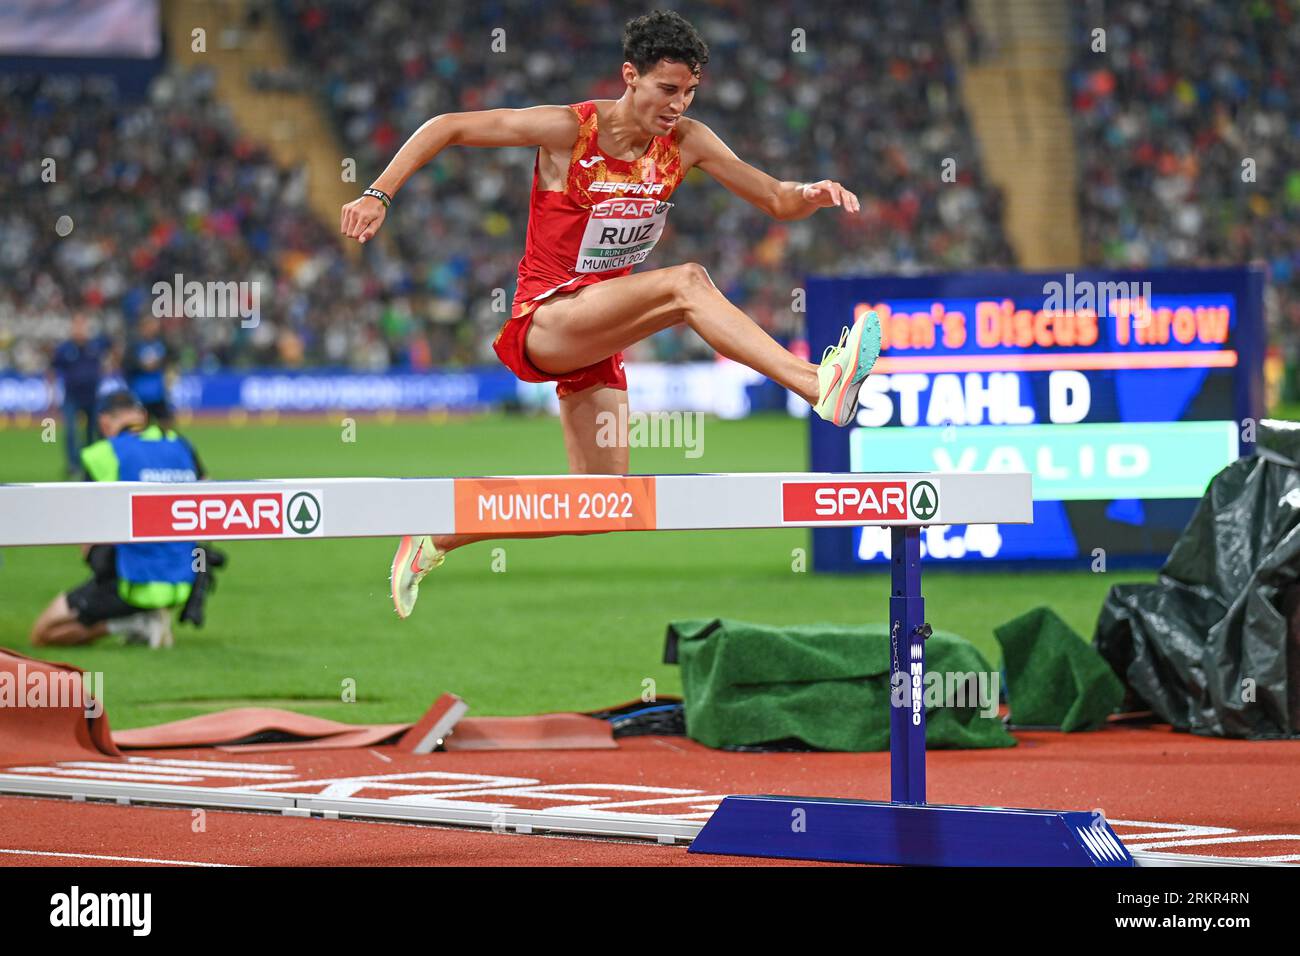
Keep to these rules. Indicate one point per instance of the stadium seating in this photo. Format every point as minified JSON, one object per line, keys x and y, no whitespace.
{"x":1188,"y":138}
{"x":871,"y":103}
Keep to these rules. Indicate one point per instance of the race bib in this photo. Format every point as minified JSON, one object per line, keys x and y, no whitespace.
{"x":621,"y":232}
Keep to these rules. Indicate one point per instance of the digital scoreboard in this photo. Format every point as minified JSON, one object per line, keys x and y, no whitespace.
{"x":1123,"y":393}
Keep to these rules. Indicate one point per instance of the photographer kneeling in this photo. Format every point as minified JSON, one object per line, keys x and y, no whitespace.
{"x":134,"y":587}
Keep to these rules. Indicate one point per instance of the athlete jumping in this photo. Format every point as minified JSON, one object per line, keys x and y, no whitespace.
{"x":604,"y":173}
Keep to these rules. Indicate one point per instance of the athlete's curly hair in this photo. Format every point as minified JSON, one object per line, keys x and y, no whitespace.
{"x":663,"y":35}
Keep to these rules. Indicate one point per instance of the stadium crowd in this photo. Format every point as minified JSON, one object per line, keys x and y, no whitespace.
{"x":150,"y":190}
{"x":168,"y":185}
{"x":1187,"y":127}
{"x":1188,"y":135}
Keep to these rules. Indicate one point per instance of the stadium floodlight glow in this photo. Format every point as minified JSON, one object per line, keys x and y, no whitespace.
{"x":905,"y":830}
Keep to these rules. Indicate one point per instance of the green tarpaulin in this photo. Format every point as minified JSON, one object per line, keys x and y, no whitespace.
{"x":1209,"y":647}
{"x":1054,"y":677}
{"x":825,"y":685}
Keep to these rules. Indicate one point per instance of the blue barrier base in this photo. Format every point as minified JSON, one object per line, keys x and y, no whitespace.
{"x":907,"y":831}
{"x":860,"y":831}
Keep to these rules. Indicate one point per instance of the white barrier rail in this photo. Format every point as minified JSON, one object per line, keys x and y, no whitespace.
{"x":121,"y":512}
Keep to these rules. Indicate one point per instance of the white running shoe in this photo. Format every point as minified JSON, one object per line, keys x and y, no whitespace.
{"x":416,"y":556}
{"x":153,"y":628}
{"x":844,"y":367}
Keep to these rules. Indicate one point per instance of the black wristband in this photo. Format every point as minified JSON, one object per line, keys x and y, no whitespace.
{"x":379,"y":194}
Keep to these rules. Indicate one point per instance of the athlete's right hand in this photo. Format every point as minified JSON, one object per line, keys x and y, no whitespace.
{"x":362,"y":218}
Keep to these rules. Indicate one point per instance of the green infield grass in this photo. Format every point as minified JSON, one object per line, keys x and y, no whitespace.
{"x":570,"y":623}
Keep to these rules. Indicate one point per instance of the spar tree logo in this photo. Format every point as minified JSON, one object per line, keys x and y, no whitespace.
{"x":302,"y":513}
{"x":924,"y":500}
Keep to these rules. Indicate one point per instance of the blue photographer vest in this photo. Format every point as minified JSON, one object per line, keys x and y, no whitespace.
{"x":154,"y":574}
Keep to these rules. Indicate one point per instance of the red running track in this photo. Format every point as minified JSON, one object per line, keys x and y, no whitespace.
{"x":1178,"y":793}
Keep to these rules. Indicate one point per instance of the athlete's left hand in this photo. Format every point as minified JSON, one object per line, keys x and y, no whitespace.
{"x":830,"y":193}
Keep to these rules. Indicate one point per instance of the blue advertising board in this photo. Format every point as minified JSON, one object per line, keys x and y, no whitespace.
{"x":1123,"y":393}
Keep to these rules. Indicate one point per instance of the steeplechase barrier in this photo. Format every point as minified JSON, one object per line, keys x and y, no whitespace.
{"x":903,"y":830}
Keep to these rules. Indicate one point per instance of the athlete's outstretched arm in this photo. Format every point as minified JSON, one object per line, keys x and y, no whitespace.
{"x":780,"y":200}
{"x":555,"y":127}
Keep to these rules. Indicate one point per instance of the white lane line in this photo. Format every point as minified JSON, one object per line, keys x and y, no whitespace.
{"x":122,"y":774}
{"x":193,"y":769}
{"x":1172,"y":831}
{"x":1209,"y":841}
{"x":115,"y":859}
{"x":201,"y":764}
{"x":693,"y":800}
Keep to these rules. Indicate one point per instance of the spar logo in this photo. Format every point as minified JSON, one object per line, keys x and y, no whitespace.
{"x":858,"y":502}
{"x":924,"y":500}
{"x":269,"y":514}
{"x":303,"y":511}
{"x":844,"y":501}
{"x":630,"y":208}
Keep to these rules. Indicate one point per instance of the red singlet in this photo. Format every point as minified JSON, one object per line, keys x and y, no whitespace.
{"x":608,"y":218}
